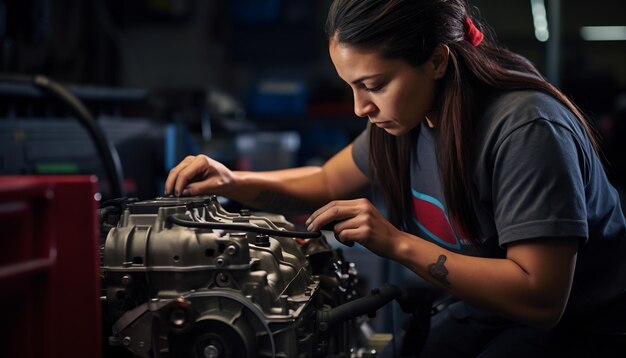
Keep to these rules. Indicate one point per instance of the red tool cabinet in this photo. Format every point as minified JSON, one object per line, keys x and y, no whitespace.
{"x":49,"y":267}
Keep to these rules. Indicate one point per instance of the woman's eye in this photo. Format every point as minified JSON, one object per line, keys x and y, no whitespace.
{"x":374,"y":88}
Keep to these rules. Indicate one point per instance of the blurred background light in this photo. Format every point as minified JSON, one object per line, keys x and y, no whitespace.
{"x":540,"y":20}
{"x":603,"y":33}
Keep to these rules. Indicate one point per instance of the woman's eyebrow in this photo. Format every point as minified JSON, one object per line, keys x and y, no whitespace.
{"x":361,"y":79}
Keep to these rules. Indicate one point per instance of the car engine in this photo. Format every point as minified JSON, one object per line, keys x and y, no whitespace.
{"x":183,"y":277}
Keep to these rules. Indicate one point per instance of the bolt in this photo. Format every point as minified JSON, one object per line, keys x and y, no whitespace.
{"x":219,"y":262}
{"x":222,"y":278}
{"x":126,"y":280}
{"x":126,"y":341}
{"x":211,"y":351}
{"x":231,"y":250}
{"x":178,"y":317}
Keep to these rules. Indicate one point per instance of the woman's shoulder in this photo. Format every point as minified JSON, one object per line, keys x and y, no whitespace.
{"x":508,"y":111}
{"x":521,"y":104}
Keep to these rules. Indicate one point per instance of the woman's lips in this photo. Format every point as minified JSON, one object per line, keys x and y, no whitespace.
{"x":383,"y":124}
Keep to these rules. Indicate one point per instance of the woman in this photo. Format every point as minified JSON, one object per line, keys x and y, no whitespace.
{"x":490,"y":176}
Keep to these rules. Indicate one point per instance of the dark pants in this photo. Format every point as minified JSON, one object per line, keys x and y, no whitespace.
{"x":461,"y":331}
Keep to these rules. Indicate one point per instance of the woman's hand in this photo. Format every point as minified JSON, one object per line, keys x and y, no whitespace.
{"x":359,"y":221}
{"x":199,"y":175}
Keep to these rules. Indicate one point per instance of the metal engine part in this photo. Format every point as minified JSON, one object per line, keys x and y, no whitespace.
{"x":182,"y":277}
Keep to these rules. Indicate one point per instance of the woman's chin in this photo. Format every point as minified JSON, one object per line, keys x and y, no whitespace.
{"x":396,"y":131}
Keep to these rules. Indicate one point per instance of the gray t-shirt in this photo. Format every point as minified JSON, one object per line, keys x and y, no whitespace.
{"x":535,"y":175}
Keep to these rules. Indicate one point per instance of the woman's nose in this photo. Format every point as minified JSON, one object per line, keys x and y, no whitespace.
{"x":363,"y":106}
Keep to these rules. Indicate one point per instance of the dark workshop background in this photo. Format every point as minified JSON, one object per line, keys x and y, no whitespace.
{"x":249,"y":82}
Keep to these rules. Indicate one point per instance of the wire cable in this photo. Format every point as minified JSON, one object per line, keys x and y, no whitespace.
{"x":183,"y":221}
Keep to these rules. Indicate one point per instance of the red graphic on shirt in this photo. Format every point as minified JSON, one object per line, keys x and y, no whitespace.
{"x":431,"y":218}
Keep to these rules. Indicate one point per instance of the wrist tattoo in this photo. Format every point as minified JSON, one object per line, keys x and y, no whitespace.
{"x":281,"y":203}
{"x":439,"y":271}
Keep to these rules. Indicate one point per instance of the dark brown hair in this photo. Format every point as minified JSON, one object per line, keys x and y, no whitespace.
{"x":410,"y":30}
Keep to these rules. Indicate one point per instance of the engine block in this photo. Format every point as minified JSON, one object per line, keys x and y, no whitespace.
{"x":182,"y":277}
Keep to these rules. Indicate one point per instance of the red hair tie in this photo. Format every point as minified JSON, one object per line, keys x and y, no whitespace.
{"x":472,"y":33}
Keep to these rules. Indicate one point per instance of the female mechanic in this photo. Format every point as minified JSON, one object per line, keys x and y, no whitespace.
{"x":490,"y":176}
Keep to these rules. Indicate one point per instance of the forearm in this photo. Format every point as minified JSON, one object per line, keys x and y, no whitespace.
{"x":501,"y":286}
{"x":300,"y":190}
{"x":297,"y":190}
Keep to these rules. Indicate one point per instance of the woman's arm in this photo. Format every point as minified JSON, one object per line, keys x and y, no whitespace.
{"x":531,"y":285}
{"x":296,"y":190}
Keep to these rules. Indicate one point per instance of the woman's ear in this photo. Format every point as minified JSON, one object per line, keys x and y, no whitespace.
{"x":439,"y":60}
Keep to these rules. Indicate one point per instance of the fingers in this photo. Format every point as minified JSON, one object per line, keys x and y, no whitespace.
{"x":342,"y":216}
{"x":356,"y":221}
{"x":173,"y":174}
{"x":351,"y":220}
{"x":348,"y":236}
{"x":207,"y":186}
{"x":338,"y":210}
{"x":198,"y":169}
{"x":345,"y":230}
{"x":190,"y":169}
{"x":331,"y":212}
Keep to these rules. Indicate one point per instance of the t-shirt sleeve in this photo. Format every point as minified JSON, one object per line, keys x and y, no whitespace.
{"x":360,"y":151}
{"x":538,"y":184}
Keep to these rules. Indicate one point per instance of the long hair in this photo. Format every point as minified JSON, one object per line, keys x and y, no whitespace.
{"x":410,"y":30}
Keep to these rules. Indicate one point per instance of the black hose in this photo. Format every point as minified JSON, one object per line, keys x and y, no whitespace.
{"x":108,"y":154}
{"x":363,"y":305}
{"x":178,"y":220}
